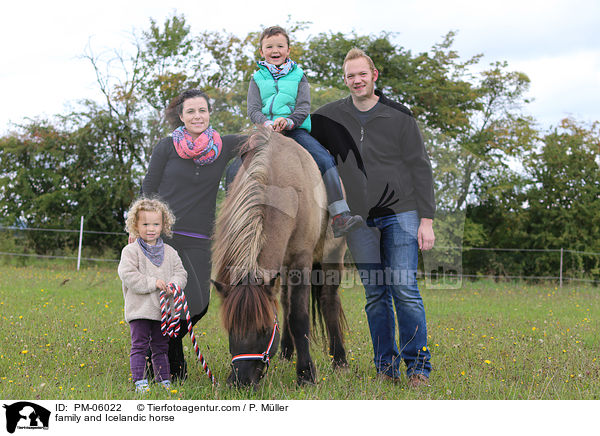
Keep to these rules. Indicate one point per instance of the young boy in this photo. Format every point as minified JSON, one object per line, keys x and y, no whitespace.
{"x":279,"y":98}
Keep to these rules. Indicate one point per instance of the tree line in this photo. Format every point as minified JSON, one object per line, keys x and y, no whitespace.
{"x":503,"y":181}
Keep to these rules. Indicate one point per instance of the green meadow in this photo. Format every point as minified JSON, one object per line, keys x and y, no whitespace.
{"x":63,"y":337}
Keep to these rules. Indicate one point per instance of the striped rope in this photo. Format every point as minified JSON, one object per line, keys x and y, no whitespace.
{"x":170,"y":322}
{"x":169,"y":319}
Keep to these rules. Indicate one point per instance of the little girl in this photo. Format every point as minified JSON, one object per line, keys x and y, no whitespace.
{"x":146,"y":266}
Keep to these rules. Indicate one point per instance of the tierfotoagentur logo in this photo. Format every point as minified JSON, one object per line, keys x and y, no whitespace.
{"x":25,"y":415}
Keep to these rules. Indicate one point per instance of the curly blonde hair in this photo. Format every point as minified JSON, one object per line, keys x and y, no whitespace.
{"x":149,"y":205}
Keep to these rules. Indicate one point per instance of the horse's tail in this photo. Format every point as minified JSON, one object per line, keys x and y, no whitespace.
{"x":316,"y":309}
{"x":239,"y":227}
{"x":316,"y":293}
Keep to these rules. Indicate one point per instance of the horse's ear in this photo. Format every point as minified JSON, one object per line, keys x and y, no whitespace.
{"x":221,"y":288}
{"x":274,"y":279}
{"x":271,"y":285}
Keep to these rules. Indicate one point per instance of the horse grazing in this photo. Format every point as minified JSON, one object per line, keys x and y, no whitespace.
{"x":273,"y":228}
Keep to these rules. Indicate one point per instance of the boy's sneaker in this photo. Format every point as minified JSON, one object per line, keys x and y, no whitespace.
{"x":343,"y":222}
{"x":142,"y":386}
{"x":166,"y":384}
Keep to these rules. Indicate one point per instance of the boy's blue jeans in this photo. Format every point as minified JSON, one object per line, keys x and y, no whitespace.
{"x":326,"y":164}
{"x":385,"y":252}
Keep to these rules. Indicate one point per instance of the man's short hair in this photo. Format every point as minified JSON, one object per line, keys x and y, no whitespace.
{"x":356,"y":53}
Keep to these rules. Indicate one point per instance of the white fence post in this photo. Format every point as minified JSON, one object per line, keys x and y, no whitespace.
{"x":561,"y":265}
{"x":80,"y":242}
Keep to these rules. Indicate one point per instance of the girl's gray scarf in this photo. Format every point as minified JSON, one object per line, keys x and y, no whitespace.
{"x":155,"y":253}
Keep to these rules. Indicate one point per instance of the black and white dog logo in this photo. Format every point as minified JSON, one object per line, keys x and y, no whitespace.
{"x":25,"y":415}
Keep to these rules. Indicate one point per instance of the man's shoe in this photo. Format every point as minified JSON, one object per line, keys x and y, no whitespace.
{"x":387,"y":378}
{"x":343,"y":222}
{"x":418,"y":380}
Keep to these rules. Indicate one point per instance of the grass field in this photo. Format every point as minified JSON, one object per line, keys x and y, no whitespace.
{"x":63,"y":337}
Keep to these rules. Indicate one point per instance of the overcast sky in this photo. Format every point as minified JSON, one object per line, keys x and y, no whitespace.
{"x":556,"y":43}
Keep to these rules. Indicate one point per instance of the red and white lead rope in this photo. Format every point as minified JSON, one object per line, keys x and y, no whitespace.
{"x":169,"y":324}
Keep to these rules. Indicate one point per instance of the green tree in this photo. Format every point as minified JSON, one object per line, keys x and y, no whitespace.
{"x":54,"y":173}
{"x":564,"y":196}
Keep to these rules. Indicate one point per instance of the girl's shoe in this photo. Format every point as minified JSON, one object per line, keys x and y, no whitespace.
{"x":142,"y":386}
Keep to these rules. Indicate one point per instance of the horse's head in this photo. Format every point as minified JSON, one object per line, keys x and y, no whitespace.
{"x":249,"y":313}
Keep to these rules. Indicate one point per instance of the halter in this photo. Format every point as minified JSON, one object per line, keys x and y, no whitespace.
{"x":170,"y":321}
{"x":264,"y":357}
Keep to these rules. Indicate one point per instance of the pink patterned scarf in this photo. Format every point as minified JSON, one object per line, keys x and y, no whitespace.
{"x":204,"y":150}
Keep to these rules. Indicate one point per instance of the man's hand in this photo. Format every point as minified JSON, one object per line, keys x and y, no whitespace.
{"x":425,"y":234}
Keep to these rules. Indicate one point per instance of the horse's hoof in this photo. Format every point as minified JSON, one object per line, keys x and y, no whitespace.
{"x":306,"y":382}
{"x":307,"y":377}
{"x":339,"y":364}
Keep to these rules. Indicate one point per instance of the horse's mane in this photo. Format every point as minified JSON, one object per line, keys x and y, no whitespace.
{"x":239,"y":227}
{"x":239,"y":238}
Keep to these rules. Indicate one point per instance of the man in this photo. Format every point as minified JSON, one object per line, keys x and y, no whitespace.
{"x":388,"y":179}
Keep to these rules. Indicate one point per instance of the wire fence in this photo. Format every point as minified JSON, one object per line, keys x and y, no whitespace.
{"x":81,"y":233}
{"x":459,"y":276}
{"x":560,"y":277}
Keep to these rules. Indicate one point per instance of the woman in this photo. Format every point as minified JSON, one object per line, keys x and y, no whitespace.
{"x":185,"y":171}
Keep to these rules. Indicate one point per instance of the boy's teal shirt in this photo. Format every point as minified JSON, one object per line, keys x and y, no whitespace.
{"x":279,"y":96}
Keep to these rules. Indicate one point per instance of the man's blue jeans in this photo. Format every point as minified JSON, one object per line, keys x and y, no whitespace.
{"x":385,"y":252}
